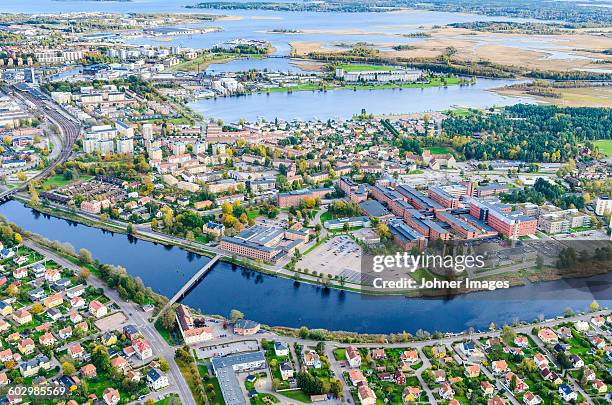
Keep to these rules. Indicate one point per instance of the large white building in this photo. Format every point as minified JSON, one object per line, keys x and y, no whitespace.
{"x":381,"y":76}
{"x":603,"y":205}
{"x":54,"y":56}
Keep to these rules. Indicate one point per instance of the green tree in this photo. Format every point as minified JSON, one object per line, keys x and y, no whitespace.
{"x":68,"y":368}
{"x":236,"y":315}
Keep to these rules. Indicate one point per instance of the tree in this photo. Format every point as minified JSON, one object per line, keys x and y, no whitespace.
{"x":36,"y":308}
{"x":594,"y":306}
{"x":21,"y":176}
{"x":310,"y":384}
{"x":68,"y":368}
{"x":383,"y":231}
{"x":12,"y":290}
{"x":101,"y":358}
{"x":84,"y":273}
{"x":85,"y":256}
{"x":168,"y":320}
{"x":163,"y":365}
{"x":34,"y":198}
{"x":18,"y":238}
{"x":508,"y":334}
{"x":236,"y":315}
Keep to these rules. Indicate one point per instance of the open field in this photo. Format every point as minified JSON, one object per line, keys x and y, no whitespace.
{"x":59,"y":180}
{"x":605,"y":146}
{"x":202,"y":62}
{"x":570,"y":97}
{"x":566,"y":52}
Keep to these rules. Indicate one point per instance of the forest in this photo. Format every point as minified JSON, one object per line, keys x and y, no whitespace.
{"x":531,"y":133}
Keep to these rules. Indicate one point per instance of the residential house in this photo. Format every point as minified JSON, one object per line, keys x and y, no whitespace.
{"x":53,"y":300}
{"x":66,"y":332}
{"x":119,"y":363}
{"x":366,"y":395}
{"x":499,"y":366}
{"x":108,"y":339}
{"x":111,"y":396}
{"x":600,"y":386}
{"x":548,"y":336}
{"x":97,"y":309}
{"x":446,"y":391}
{"x":411,"y":394}
{"x":540,"y":360}
{"x":567,"y":393}
{"x":157,"y":380}
{"x":531,"y":399}
{"x":76,"y":351}
{"x":439,"y":376}
{"x":312,"y":359}
{"x":281,"y":349}
{"x":378,"y":354}
{"x":47,"y":339}
{"x":89,"y":371}
{"x":26,"y":346}
{"x":487,"y":388}
{"x":143,"y":349}
{"x":286,"y":370}
{"x":472,"y":370}
{"x":521,"y":341}
{"x":357,"y":377}
{"x":353,"y":357}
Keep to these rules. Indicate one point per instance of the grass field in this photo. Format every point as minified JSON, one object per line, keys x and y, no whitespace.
{"x":297,"y":395}
{"x":439,"y":150}
{"x":354,"y":67}
{"x":59,"y":180}
{"x":202,"y":61}
{"x":605,"y":146}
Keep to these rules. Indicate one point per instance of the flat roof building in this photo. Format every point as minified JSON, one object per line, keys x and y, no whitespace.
{"x":225,"y":368}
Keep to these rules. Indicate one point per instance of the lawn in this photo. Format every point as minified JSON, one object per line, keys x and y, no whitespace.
{"x":439,"y":150}
{"x":202,"y":62}
{"x":297,"y":395}
{"x":340,"y":354}
{"x":59,"y":181}
{"x":215,"y":396}
{"x":605,"y":146}
{"x":171,"y":398}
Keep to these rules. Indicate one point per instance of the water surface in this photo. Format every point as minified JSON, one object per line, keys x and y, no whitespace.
{"x":278,"y":301}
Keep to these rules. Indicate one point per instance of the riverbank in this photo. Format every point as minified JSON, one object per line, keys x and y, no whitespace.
{"x":514,"y":279}
{"x":292,"y":303}
{"x":567,"y":97}
{"x":434,"y":82}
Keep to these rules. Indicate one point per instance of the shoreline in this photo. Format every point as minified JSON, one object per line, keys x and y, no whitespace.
{"x":297,"y":276}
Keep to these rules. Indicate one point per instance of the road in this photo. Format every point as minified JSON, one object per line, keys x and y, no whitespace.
{"x":136,"y":317}
{"x":187,"y":286}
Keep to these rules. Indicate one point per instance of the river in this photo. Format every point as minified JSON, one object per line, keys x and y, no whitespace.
{"x":277,"y":301}
{"x":310,"y":105}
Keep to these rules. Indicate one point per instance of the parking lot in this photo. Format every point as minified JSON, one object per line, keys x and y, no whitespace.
{"x":338,"y":256}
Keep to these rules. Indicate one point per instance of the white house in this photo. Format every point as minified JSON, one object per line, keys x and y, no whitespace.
{"x":157,"y":380}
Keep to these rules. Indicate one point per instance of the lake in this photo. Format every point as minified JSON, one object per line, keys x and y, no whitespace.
{"x":309,"y":105}
{"x":278,"y":301}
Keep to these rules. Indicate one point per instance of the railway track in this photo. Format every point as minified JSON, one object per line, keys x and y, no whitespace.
{"x":69,"y":130}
